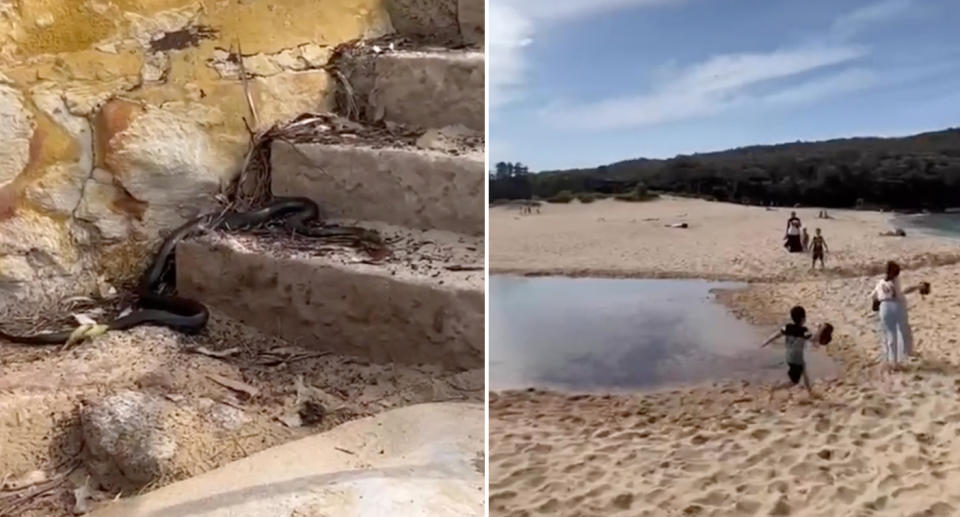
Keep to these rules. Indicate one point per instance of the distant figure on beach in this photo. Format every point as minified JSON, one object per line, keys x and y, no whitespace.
{"x":792,"y":235}
{"x":896,"y":232}
{"x":805,"y":239}
{"x":890,"y":300}
{"x":823,"y":215}
{"x":796,"y":337}
{"x":818,"y":249}
{"x":527,"y":207}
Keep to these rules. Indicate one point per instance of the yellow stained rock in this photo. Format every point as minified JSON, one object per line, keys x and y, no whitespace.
{"x":113,"y":63}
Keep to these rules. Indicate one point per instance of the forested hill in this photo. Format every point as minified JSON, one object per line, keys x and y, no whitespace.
{"x":920,"y":171}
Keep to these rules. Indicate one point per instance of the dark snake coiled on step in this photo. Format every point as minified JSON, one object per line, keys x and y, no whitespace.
{"x":183,"y":314}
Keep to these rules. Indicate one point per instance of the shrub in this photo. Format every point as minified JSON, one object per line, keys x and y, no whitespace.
{"x":587,"y":197}
{"x":561,"y":197}
{"x":639,"y":193}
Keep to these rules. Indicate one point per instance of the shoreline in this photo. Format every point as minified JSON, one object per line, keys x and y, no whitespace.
{"x":922,"y":260}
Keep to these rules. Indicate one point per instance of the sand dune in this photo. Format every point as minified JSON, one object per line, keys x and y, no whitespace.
{"x":873,"y":446}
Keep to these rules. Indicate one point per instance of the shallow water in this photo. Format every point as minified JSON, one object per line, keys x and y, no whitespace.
{"x":944,"y":225}
{"x":610,"y":334}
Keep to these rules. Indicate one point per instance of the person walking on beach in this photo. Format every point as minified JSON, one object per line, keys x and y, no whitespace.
{"x":795,"y":336}
{"x":818,"y":249}
{"x":792,"y":235}
{"x":890,"y":300}
{"x":805,"y":239}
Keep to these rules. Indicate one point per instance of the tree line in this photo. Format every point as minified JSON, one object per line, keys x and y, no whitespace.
{"x":916,"y":172}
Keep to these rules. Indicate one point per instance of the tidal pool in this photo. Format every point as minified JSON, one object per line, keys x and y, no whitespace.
{"x":591,"y":334}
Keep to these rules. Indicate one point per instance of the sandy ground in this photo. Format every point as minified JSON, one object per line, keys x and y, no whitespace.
{"x":421,"y":460}
{"x":873,"y":445}
{"x":723,"y":241}
{"x":42,"y":388}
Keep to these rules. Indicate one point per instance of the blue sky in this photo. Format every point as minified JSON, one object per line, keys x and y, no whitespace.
{"x":580,"y":83}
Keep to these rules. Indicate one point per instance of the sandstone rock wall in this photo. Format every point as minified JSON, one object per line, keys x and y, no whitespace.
{"x":120,"y":119}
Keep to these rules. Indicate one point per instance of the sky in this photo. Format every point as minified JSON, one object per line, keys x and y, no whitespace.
{"x":582,"y":83}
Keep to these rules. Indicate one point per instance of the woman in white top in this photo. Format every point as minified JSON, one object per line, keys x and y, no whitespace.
{"x":893,"y":316}
{"x":792,"y":235}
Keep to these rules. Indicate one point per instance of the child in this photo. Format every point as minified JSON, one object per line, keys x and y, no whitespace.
{"x":818,"y":247}
{"x":796,"y":336}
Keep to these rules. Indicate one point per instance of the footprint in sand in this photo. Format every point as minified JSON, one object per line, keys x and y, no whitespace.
{"x":822,"y":425}
{"x":595,"y":475}
{"x":938,"y":509}
{"x":845,"y":494}
{"x":745,"y":508}
{"x":549,"y":507}
{"x":609,"y":448}
{"x":914,"y":463}
{"x":623,"y":501}
{"x":889,"y":482}
{"x":715,"y":498}
{"x":540,"y":448}
{"x":877,"y":504}
{"x":786,"y":460}
{"x":802,"y":470}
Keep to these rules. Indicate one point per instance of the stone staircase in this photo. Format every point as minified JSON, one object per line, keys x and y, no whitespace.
{"x":421,"y":188}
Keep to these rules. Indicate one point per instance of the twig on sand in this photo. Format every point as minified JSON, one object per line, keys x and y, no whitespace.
{"x":234,"y":385}
{"x":458,"y":267}
{"x":14,"y":502}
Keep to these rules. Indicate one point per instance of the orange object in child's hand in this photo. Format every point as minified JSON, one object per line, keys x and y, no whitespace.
{"x":826,"y":334}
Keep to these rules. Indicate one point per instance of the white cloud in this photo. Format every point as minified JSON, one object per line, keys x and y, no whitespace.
{"x":509,"y":32}
{"x":732,"y":71}
{"x":845,"y":81}
{"x":859,"y":19}
{"x":713,"y":86}
{"x":564,"y":9}
{"x":512,"y":25}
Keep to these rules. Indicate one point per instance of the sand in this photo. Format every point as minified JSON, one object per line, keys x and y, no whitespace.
{"x":872,"y":446}
{"x":41,"y":389}
{"x":421,"y":460}
{"x":723,"y":241}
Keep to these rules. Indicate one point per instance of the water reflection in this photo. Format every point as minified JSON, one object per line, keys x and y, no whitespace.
{"x":608,"y":334}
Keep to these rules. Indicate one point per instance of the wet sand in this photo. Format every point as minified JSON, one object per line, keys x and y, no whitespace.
{"x":872,"y":446}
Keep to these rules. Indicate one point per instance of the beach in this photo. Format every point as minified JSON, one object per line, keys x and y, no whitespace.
{"x":871,"y":446}
{"x":722,"y":242}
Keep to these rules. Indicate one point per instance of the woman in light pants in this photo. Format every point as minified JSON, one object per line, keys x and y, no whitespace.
{"x":897,"y":336}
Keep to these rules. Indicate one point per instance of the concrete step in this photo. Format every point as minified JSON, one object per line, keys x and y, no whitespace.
{"x":431,"y":180}
{"x":449,"y":22}
{"x":417,"y":306}
{"x":422,"y":87}
{"x":418,"y":460}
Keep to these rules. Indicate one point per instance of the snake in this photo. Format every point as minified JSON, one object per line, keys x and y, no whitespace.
{"x":178,"y":313}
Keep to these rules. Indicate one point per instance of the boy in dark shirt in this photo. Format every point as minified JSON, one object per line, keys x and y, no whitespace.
{"x":818,"y":247}
{"x":796,"y":336}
